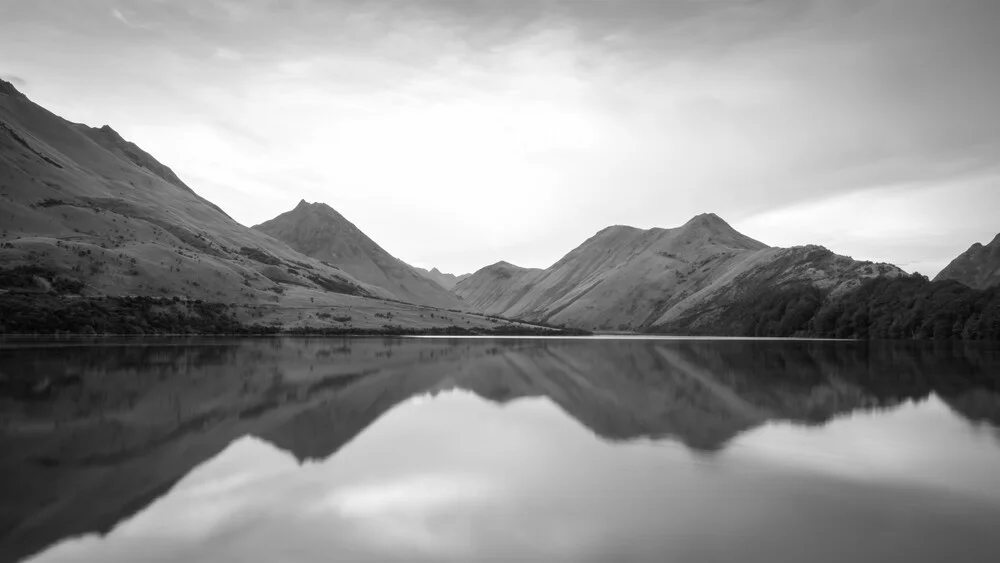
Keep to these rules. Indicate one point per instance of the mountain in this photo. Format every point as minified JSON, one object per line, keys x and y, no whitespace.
{"x":89,"y":219}
{"x":497,"y":287}
{"x":91,"y":206}
{"x":318,"y":231}
{"x":446,"y":281}
{"x":978,"y":267}
{"x":771,"y":272}
{"x":629,"y":279}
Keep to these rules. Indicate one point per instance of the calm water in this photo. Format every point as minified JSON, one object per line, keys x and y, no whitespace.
{"x":598,"y":450}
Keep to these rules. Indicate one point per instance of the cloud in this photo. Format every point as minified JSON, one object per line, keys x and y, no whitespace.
{"x":128,"y":20}
{"x":227,"y":54}
{"x":118,"y":15}
{"x":528,"y":126}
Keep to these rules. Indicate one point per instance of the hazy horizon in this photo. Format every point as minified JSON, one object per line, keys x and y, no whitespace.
{"x":460,"y":133}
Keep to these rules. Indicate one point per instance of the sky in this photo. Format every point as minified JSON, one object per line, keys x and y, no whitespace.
{"x":457,"y":133}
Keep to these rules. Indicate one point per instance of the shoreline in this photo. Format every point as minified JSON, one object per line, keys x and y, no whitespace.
{"x":313,"y":332}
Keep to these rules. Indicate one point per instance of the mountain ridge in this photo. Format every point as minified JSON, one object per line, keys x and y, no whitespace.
{"x":445,"y":280}
{"x":85,"y":210}
{"x":978,"y":267}
{"x":96,"y":235}
{"x":627,"y":278}
{"x":88,"y":203}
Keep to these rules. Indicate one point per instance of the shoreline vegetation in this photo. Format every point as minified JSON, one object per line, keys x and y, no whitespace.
{"x":40,"y":301}
{"x":24,"y":314}
{"x":902,"y":308}
{"x":35,"y":301}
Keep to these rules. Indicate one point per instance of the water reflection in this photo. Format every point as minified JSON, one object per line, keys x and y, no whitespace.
{"x":707,"y":450}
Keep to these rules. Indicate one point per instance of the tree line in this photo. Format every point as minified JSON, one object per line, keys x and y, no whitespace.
{"x":906,"y":307}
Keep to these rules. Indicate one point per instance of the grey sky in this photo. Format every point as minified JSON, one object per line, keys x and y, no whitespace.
{"x":458,"y":133}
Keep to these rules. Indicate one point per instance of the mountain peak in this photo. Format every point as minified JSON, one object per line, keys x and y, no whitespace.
{"x":708,"y":219}
{"x":319,"y":231}
{"x":709,"y":226}
{"x":978,"y":267}
{"x":114,"y":136}
{"x":979,"y":245}
{"x":614,"y":229}
{"x":320,"y":207}
{"x":9,"y":89}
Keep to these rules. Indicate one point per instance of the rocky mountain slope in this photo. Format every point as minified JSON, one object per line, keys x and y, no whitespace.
{"x":978,"y":267}
{"x":626,"y":278}
{"x":446,"y":281}
{"x":319,"y":231}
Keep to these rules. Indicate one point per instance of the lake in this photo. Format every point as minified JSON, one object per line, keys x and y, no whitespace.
{"x":484,"y":449}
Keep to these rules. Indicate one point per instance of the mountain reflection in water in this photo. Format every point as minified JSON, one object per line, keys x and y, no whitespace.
{"x":501,"y":449}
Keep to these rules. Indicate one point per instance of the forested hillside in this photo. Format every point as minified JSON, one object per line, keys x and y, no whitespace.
{"x":908,"y":307}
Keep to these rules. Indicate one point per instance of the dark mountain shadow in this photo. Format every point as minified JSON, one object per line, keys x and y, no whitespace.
{"x":85,"y":456}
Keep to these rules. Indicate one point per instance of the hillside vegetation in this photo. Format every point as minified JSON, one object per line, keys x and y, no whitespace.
{"x":906,"y":307}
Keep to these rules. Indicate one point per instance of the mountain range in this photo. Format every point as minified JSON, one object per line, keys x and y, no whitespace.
{"x":629,"y":279}
{"x":86,"y":215}
{"x":85,"y":209}
{"x":447,"y":281}
{"x":83,"y":200}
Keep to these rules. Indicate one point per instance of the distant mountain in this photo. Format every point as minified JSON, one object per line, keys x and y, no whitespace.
{"x":497,"y":287}
{"x":85,"y":204}
{"x":446,"y":281}
{"x":319,"y":231}
{"x":978,"y":267}
{"x":626,"y":278}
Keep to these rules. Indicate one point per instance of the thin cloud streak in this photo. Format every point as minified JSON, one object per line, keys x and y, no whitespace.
{"x":118,"y":15}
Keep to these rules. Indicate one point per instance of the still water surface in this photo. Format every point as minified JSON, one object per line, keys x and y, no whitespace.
{"x":501,"y":450}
